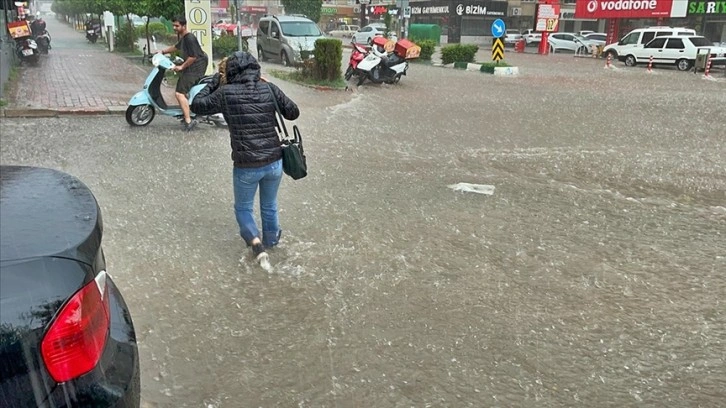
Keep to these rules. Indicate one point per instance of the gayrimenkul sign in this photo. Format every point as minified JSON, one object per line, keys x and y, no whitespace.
{"x":630,"y":8}
{"x":199,"y":23}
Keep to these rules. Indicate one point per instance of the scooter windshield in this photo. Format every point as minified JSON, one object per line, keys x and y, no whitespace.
{"x":160,"y":60}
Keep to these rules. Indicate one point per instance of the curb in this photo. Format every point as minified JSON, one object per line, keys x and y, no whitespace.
{"x":55,"y":113}
{"x":470,"y":66}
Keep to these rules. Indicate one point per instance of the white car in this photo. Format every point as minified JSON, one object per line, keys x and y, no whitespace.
{"x":344,"y":31}
{"x":511,"y":37}
{"x":365,"y":35}
{"x":641,"y":36}
{"x":532,"y":36}
{"x":678,"y":50}
{"x":597,"y":38}
{"x":569,"y":42}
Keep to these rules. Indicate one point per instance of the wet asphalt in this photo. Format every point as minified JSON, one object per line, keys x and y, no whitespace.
{"x":592,"y":276}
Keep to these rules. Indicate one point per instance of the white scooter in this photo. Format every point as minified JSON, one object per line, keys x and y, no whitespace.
{"x":379,"y":66}
{"x":144,"y":105}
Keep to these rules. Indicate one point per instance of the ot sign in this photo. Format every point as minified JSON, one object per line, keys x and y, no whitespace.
{"x":199,"y":23}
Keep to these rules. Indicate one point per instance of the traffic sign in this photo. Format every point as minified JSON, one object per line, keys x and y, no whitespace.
{"x":498,"y":28}
{"x":407,"y":12}
{"x":498,"y":50}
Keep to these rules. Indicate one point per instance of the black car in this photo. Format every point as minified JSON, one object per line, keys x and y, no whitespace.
{"x":66,"y":335}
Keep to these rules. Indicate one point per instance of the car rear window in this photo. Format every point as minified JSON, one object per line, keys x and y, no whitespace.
{"x":700,"y":41}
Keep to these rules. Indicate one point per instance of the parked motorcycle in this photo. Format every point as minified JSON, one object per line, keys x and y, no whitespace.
{"x":43,"y":41}
{"x":379,"y":66}
{"x":93,"y":31}
{"x":358,"y":54}
{"x":143,"y":106}
{"x":27,"y":50}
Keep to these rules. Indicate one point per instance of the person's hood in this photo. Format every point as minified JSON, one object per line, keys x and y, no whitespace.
{"x":242,"y":67}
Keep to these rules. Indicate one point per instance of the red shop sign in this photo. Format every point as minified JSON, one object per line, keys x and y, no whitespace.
{"x":377,"y":10}
{"x":623,"y":8}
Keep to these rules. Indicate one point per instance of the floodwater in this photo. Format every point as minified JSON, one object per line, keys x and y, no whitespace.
{"x":593,"y":275}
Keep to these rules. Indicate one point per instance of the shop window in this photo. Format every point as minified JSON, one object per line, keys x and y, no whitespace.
{"x":476,"y":26}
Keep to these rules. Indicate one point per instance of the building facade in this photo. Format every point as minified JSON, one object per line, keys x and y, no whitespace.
{"x":470,"y":20}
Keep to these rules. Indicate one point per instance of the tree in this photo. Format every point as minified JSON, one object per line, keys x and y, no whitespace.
{"x":309,"y":8}
{"x":159,"y":8}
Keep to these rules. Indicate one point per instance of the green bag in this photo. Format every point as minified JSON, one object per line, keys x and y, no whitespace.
{"x":294,"y":163}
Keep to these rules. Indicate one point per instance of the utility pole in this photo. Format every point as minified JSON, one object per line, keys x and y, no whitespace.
{"x":363,"y":7}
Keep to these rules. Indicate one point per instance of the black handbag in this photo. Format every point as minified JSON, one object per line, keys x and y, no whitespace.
{"x":294,"y":163}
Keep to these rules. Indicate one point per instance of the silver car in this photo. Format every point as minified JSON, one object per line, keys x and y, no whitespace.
{"x":290,"y":39}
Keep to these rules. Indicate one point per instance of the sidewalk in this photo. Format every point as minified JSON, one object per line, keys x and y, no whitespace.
{"x":75,"y":77}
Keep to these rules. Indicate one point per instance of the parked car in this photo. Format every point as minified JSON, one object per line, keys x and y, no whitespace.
{"x":344,"y":31}
{"x":287,"y":38}
{"x":532,"y":36}
{"x":365,"y":34}
{"x":66,"y":335}
{"x":511,"y":37}
{"x":569,"y":42}
{"x":639,"y":37}
{"x":597,"y":38}
{"x":674,"y":50}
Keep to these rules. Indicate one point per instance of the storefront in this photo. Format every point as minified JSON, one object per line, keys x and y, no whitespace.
{"x":569,"y":23}
{"x":460,"y":21}
{"x":250,"y":15}
{"x":707,"y":17}
{"x":333,"y":16}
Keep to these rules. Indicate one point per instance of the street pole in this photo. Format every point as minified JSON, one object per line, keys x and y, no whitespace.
{"x":239,"y":25}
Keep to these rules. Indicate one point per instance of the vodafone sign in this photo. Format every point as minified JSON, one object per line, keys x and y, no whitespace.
{"x":627,"y":8}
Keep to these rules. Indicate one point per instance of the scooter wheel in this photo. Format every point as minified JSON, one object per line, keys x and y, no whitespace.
{"x":348,"y":73}
{"x":140,"y":115}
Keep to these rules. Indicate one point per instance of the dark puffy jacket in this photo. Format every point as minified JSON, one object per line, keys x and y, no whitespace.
{"x":248,"y":107}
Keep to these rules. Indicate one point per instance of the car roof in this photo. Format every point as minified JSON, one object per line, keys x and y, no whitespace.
{"x":46,"y":213}
{"x":288,"y":18}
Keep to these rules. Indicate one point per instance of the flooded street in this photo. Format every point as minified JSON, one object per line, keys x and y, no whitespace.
{"x":592,"y":276}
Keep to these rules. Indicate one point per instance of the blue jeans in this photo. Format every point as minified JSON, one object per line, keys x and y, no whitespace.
{"x":245,"y":181}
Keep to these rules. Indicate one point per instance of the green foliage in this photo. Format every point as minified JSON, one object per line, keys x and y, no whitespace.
{"x":387,"y":22}
{"x":309,"y":8}
{"x":125,"y":38}
{"x":488,"y":67}
{"x":458,"y":53}
{"x":297,"y":77}
{"x":156,"y":29}
{"x":428,"y":47}
{"x":328,"y":56}
{"x":225,"y":45}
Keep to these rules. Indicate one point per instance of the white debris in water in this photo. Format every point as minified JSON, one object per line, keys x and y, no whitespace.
{"x":473,"y":188}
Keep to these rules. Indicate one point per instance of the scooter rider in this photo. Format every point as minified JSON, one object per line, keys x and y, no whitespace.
{"x":193,"y":68}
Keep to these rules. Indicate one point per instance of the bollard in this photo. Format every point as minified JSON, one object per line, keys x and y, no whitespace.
{"x":650,"y":65}
{"x":707,"y":72}
{"x":608,"y":63}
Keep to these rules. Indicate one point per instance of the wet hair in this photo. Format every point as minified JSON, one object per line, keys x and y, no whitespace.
{"x":223,"y":71}
{"x":180,"y":19}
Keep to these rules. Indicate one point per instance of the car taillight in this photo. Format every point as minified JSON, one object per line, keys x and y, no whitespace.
{"x":76,"y":338}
